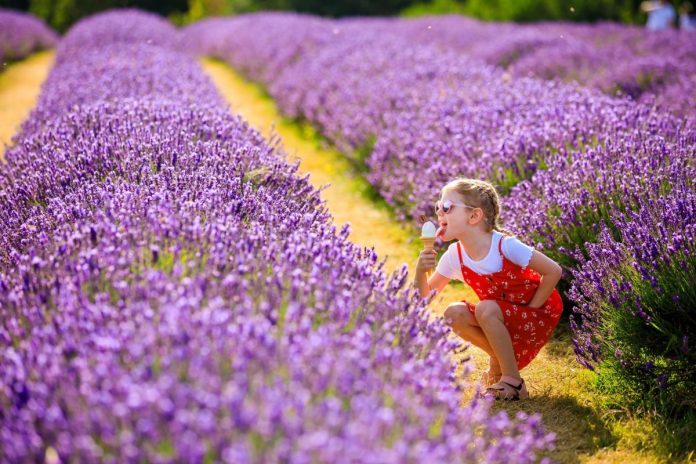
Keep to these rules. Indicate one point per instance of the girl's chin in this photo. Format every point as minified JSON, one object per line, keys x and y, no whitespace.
{"x":446,"y":236}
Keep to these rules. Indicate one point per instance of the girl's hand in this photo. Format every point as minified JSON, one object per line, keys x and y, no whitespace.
{"x":426,"y":260}
{"x":436,"y":282}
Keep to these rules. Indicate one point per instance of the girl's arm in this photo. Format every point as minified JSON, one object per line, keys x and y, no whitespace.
{"x":425,"y":285}
{"x":550,"y":272}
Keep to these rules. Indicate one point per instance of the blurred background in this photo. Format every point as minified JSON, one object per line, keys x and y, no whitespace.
{"x":60,"y":14}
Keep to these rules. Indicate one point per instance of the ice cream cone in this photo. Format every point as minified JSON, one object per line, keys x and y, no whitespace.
{"x":428,"y":242}
{"x":428,"y":237}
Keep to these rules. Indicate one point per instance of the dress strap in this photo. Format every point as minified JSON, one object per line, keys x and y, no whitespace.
{"x":500,"y":245}
{"x":461,"y":261}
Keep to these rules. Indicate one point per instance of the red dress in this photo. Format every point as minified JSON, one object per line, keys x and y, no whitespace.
{"x":512,"y":288}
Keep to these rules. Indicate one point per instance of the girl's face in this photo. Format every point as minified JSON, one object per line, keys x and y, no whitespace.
{"x":460,"y":218}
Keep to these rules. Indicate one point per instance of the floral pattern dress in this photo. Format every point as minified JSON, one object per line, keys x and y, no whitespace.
{"x":513,"y":287}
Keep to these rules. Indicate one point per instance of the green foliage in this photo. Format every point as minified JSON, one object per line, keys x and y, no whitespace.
{"x":338,"y":8}
{"x":15,"y":4}
{"x":534,"y":10}
{"x":61,"y":14}
{"x":362,"y":153}
{"x":435,"y":7}
{"x":201,"y":8}
{"x":652,"y":356}
{"x":494,"y":10}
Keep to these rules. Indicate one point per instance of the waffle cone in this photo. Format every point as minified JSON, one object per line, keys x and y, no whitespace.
{"x":428,"y":242}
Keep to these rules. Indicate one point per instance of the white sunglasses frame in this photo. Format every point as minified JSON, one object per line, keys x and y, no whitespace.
{"x":440,"y":206}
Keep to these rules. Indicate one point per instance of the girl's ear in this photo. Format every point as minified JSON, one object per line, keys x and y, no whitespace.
{"x":476,"y":216}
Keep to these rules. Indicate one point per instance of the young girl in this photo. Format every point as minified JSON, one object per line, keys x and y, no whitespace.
{"x":519,"y":305}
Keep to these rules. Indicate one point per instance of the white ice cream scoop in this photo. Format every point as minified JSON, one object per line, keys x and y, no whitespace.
{"x":428,"y":230}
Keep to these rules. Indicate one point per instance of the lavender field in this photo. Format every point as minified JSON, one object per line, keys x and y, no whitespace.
{"x":173,"y":289}
{"x":146,"y":314}
{"x":602,"y":181}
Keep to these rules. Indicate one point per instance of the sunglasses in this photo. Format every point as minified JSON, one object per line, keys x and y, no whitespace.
{"x":447,"y":205}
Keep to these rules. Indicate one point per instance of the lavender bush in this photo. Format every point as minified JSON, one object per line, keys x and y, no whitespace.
{"x":422,"y":114}
{"x":22,"y":34}
{"x":625,"y":241}
{"x":121,"y":26}
{"x":172,"y":290}
{"x":574,"y":164}
{"x":655,"y":67}
{"x":635,"y":296}
{"x":566,"y":203}
{"x":114,"y":71}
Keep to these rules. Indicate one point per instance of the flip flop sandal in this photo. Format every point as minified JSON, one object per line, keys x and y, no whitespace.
{"x":504,"y":391}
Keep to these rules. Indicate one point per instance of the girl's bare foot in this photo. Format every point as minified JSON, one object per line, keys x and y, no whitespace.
{"x":489,"y":378}
{"x":493,"y":374}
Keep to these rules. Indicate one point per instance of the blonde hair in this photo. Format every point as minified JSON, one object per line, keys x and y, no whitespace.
{"x":480,"y":194}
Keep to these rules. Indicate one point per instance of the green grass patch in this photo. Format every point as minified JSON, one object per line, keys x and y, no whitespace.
{"x":362,"y":153}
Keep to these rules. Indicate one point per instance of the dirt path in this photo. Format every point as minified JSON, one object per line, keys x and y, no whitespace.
{"x":559,"y":387}
{"x":20,"y":84}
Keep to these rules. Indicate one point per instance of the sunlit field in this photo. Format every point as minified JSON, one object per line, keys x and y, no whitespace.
{"x":210,"y":232}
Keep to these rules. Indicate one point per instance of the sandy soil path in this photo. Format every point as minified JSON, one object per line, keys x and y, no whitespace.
{"x":20,"y":85}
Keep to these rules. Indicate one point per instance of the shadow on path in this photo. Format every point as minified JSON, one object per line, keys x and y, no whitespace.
{"x":580,"y":431}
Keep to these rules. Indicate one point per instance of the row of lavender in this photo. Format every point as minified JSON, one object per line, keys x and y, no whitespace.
{"x":654,"y":67}
{"x":22,"y":34}
{"x":171,"y":290}
{"x":572,"y":162}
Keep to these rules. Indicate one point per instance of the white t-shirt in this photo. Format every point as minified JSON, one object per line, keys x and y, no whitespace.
{"x":661,"y":17}
{"x":514,"y":250}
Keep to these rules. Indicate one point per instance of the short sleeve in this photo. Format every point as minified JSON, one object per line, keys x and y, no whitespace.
{"x":516,"y":251}
{"x":448,"y":265}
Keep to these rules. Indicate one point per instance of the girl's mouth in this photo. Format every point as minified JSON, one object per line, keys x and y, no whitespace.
{"x":441,"y":231}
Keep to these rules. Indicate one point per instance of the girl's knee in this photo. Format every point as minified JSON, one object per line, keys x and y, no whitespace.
{"x":486,"y":310}
{"x":457,"y":313}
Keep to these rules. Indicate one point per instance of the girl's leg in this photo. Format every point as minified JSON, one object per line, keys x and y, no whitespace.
{"x":490,"y":318}
{"x":494,"y":366}
{"x":458,"y":316}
